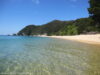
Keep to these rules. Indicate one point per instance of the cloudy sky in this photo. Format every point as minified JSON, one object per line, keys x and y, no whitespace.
{"x":16,"y":14}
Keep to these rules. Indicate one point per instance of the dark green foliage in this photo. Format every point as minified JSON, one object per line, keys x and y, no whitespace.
{"x":72,"y":30}
{"x":52,"y":28}
{"x":69,"y":30}
{"x":94,"y":11}
{"x":57,"y":27}
{"x":80,"y":26}
{"x":28,"y":30}
{"x":84,"y":25}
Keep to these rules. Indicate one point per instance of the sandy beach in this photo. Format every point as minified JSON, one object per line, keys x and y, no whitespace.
{"x":90,"y":39}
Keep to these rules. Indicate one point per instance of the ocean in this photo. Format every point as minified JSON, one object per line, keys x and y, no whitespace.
{"x":26,"y":55}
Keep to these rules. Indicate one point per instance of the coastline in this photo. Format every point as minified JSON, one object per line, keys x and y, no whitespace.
{"x":90,"y":39}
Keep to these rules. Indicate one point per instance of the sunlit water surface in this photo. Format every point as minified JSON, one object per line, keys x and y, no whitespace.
{"x":47,"y":56}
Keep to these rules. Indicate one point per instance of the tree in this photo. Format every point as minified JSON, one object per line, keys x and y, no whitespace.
{"x":94,"y":11}
{"x":28,"y":30}
{"x":69,"y":30}
{"x":72,"y":30}
{"x":85,"y":25}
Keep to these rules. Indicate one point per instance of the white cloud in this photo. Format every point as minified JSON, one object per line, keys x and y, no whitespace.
{"x":36,"y":1}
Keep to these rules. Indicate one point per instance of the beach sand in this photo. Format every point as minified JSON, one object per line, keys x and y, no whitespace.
{"x":90,"y":39}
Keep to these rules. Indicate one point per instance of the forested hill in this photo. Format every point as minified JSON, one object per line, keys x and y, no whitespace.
{"x":79,"y":26}
{"x":58,"y":27}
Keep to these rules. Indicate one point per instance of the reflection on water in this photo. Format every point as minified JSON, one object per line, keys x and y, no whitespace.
{"x":47,"y":56}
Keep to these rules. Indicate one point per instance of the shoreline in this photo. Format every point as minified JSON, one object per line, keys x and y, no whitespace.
{"x":89,"y":39}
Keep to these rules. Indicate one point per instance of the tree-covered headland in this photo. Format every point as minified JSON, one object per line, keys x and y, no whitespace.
{"x":73,"y":27}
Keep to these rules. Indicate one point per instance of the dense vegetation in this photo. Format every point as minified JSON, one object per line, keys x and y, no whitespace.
{"x":94,"y":11}
{"x":57,"y":27}
{"x":74,"y":27}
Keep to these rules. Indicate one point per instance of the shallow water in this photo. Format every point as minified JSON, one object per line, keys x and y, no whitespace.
{"x":47,"y":56}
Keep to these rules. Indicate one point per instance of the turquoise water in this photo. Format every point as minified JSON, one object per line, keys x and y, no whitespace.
{"x":47,"y":56}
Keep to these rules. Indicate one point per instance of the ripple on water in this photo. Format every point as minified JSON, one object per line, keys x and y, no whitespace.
{"x":46,"y":56}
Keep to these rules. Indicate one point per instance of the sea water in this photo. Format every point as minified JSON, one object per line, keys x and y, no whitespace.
{"x":20,"y":55}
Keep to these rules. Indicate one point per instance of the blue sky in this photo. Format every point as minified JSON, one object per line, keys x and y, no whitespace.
{"x":16,"y":14}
